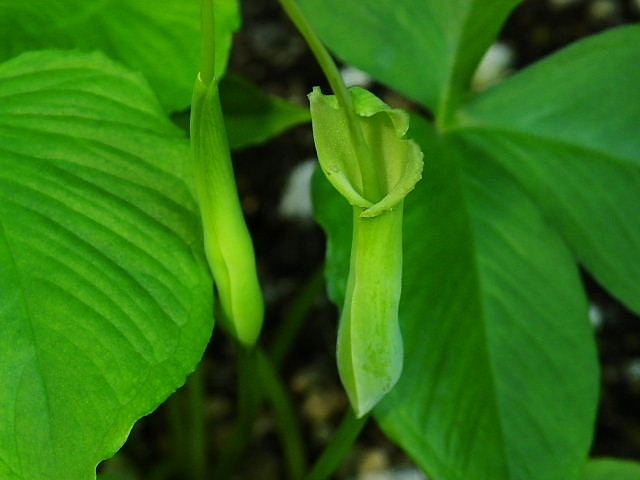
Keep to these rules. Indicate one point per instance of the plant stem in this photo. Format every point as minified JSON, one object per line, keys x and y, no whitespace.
{"x":372,"y":186}
{"x":175,"y":418}
{"x":250,"y":395}
{"x":295,"y":317}
{"x":339,"y":447}
{"x":208,"y":53}
{"x":196,"y":428}
{"x":249,"y":403}
{"x":323,"y":57}
{"x":290,"y":431}
{"x":185,"y":410}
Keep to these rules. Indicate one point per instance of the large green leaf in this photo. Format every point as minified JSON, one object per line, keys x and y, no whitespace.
{"x":427,"y":49}
{"x":567,"y":128}
{"x":253,"y":117}
{"x":500,"y":377}
{"x":611,"y":469}
{"x":105,"y":299}
{"x":159,"y":39}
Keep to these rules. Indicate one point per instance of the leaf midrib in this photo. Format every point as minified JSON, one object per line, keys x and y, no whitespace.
{"x":478,"y":282}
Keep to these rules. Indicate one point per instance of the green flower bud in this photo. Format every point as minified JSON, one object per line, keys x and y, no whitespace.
{"x":369,"y":350}
{"x":226,"y":239}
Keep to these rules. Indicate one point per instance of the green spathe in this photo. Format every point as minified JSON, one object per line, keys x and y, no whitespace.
{"x":227,"y":241}
{"x":398,"y":161}
{"x":369,"y":349}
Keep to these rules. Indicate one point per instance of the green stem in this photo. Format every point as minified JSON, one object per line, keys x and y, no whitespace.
{"x":185,"y":410}
{"x":295,"y":317}
{"x":249,"y":403}
{"x":164,"y":471}
{"x":290,"y":431}
{"x":337,"y":450}
{"x":208,"y":54}
{"x":197,"y":437}
{"x":372,"y":189}
{"x":322,"y":55}
{"x":175,"y":418}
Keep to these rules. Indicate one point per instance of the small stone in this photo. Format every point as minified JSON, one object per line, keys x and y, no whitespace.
{"x":633,"y":371}
{"x":218,"y":407}
{"x":596,"y":316}
{"x":296,"y":203}
{"x":603,"y":10}
{"x":394,"y":474}
{"x":321,"y":405}
{"x":495,"y":66}
{"x":353,"y":76}
{"x":303,"y":381}
{"x":374,"y":460}
{"x":560,"y":4}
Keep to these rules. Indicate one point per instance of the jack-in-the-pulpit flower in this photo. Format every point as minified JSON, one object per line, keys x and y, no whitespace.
{"x":227,"y":241}
{"x":369,"y":350}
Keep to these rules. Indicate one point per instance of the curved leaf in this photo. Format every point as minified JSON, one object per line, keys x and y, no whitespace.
{"x":159,"y":39}
{"x":500,"y":378}
{"x":567,"y":128}
{"x":427,"y":49}
{"x":253,"y":117}
{"x":105,"y":299}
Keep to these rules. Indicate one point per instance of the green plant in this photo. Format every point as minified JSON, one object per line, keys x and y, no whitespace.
{"x":106,"y":301}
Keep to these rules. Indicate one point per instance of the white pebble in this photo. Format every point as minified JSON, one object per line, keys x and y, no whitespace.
{"x":633,"y":370}
{"x":595,"y":316}
{"x":494,"y":66}
{"x":353,"y":76}
{"x":295,"y":203}
{"x":603,"y":10}
{"x":560,"y":4}
{"x":396,"y":474}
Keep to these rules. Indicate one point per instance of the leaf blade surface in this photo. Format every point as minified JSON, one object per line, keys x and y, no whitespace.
{"x":253,"y":117}
{"x":566,"y":128}
{"x":426,"y":49}
{"x":107,"y":304}
{"x":161,"y":41}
